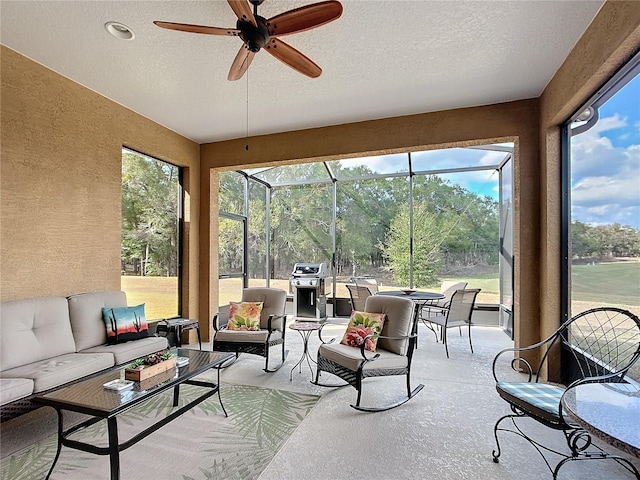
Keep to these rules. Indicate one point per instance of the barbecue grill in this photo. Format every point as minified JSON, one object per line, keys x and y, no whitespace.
{"x":309,"y":294}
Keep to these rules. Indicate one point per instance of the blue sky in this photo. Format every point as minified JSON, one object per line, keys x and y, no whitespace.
{"x":606,"y":163}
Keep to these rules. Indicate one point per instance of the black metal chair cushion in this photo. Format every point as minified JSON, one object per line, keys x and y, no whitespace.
{"x":538,"y":399}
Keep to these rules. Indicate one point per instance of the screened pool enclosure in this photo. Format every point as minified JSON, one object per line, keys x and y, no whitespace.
{"x":408,"y":220}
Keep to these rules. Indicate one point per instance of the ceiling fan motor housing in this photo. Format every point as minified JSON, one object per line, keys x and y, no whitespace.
{"x":254,"y":37}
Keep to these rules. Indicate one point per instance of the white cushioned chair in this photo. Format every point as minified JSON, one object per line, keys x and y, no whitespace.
{"x":393,"y":354}
{"x":272,"y":327}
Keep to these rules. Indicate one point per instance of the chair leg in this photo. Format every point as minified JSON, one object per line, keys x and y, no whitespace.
{"x":470,"y":344}
{"x":444,"y":340}
{"x":401,"y":401}
{"x":277,"y":367}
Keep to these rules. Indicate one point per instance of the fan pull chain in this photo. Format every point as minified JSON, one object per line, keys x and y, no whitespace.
{"x":247,"y":112}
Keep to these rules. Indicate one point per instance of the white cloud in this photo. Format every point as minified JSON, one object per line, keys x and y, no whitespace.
{"x":605,"y":178}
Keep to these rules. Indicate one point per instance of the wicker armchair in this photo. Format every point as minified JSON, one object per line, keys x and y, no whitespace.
{"x":272,"y":327}
{"x":392,"y":356}
{"x":598,"y":345}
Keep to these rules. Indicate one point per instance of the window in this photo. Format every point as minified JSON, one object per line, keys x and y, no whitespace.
{"x":602,"y":215}
{"x":406,"y":219}
{"x":151,"y":216}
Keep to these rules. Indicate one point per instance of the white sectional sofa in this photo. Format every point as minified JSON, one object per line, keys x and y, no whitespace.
{"x":49,"y":341}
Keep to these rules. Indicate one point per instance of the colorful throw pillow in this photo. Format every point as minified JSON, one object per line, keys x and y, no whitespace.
{"x":125,"y":323}
{"x":244,"y":316}
{"x":360,"y":325}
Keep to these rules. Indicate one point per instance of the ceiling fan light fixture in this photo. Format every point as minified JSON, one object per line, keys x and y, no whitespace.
{"x":119,"y":30}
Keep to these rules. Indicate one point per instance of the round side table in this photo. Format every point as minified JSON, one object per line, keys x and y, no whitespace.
{"x":304,"y":329}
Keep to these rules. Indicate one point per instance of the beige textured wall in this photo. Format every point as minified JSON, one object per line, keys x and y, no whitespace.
{"x":60,"y":184}
{"x":515,"y":121}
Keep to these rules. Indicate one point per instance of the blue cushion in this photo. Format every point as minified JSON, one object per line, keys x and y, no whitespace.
{"x":537,"y":399}
{"x":125,"y":323}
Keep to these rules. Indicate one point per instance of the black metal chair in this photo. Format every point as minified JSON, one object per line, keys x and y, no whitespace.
{"x":458,"y":314}
{"x":272,"y":328}
{"x":598,"y":345}
{"x":393,"y":354}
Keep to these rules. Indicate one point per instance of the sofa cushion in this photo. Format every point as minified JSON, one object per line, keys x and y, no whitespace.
{"x":85,"y":314}
{"x":128,"y":351}
{"x":34,"y":329}
{"x":59,"y":370}
{"x":125,"y":323}
{"x":14,"y":389}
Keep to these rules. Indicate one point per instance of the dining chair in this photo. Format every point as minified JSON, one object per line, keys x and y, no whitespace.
{"x":458,"y":314}
{"x":237,"y":335}
{"x":353,"y":359}
{"x":359,"y":295}
{"x":447,"y":288}
{"x":599,"y":345}
{"x":370,"y":283}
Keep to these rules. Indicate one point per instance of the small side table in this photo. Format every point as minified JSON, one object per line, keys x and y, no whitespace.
{"x":304,"y":329}
{"x":178,"y":325}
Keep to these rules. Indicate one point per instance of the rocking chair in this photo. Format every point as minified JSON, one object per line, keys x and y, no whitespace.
{"x":272,"y":328}
{"x":393,"y":354}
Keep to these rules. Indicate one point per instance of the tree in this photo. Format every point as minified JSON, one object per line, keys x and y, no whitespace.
{"x":426,"y":247}
{"x":149,"y":215}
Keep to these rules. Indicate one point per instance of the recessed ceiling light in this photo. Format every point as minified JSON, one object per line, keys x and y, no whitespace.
{"x":119,"y":30}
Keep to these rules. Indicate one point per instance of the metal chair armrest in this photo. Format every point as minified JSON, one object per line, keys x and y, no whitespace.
{"x":217,"y":325}
{"x":322,"y":340}
{"x":270,"y":320}
{"x":363,"y":349}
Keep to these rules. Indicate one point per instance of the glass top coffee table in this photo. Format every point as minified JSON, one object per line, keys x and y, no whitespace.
{"x":90,"y":397}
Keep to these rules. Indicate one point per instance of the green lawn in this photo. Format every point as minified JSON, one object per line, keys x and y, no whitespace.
{"x":612,"y":284}
{"x":607,"y":283}
{"x":159,"y":294}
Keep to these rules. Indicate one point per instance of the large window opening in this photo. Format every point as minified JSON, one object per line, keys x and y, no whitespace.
{"x":151,"y":218}
{"x":602,"y":186}
{"x":407,"y":220}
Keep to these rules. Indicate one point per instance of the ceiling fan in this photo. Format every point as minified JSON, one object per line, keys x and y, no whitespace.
{"x":257,"y":32}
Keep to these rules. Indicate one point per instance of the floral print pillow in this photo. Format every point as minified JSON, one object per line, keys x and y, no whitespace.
{"x":360,"y":325}
{"x":244,"y":316}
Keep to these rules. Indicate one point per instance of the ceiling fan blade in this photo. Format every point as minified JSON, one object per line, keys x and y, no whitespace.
{"x":242,"y":9}
{"x":304,"y":18}
{"x":292,"y":57}
{"x":240,"y":63}
{"x":187,"y":27}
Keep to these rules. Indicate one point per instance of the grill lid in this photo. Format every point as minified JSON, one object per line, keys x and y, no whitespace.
{"x":316,"y":270}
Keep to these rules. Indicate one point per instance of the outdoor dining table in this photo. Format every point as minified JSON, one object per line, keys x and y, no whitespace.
{"x":419,"y":298}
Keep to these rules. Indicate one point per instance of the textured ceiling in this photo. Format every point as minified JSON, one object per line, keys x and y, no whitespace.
{"x":380,"y":59}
